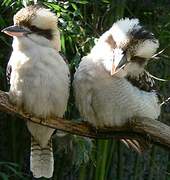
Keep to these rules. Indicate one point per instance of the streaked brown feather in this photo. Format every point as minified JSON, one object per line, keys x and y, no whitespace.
{"x":143,"y":82}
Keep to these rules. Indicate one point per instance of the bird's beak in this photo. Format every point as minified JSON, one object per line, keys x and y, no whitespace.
{"x":15,"y":31}
{"x":119,"y":61}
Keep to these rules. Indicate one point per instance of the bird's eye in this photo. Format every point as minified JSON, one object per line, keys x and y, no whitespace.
{"x":137,"y":58}
{"x":124,"y":51}
{"x":34,"y":28}
{"x":134,"y":58}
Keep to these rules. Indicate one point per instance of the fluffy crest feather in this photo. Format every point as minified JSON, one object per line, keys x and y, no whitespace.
{"x":120,"y":30}
{"x":36,"y":16}
{"x":128,"y":35}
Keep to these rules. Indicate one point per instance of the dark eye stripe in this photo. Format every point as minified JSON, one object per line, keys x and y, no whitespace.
{"x":47,"y":33}
{"x":138,"y":60}
{"x":142,"y":33}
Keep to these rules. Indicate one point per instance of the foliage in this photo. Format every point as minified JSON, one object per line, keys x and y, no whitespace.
{"x":10,"y":170}
{"x":81,"y":22}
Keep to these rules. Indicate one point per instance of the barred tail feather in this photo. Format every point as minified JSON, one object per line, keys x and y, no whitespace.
{"x":41,"y":159}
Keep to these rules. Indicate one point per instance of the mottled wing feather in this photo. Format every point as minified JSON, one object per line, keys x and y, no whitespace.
{"x":143,"y":82}
{"x":146,"y":83}
{"x":8,"y":73}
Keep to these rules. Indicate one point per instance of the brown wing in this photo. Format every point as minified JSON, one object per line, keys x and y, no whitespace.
{"x":8,"y":73}
{"x":146,"y":83}
{"x":143,"y":82}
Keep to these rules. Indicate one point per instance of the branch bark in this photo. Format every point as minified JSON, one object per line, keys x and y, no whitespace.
{"x":151,"y":130}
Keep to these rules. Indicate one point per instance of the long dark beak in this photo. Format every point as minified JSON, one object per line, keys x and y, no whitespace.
{"x":15,"y":30}
{"x":119,"y":61}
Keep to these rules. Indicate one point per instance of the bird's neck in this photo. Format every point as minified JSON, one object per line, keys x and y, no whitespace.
{"x":133,"y":69}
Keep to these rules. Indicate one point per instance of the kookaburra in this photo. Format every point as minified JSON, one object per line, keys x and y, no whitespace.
{"x":39,"y":79}
{"x":111,"y":85}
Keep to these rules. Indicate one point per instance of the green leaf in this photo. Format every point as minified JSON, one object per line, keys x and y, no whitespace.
{"x":82,"y":2}
{"x":6,"y":2}
{"x":63,"y":43}
{"x":56,"y":7}
{"x":74,"y":6}
{"x":4,"y":176}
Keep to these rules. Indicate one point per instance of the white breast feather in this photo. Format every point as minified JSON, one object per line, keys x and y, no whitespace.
{"x":39,"y":82}
{"x":112,"y":100}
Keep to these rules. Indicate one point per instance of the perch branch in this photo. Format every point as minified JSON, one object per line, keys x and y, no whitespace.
{"x":154,"y":131}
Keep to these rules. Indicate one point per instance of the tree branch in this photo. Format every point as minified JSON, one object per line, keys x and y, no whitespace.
{"x":154,"y":131}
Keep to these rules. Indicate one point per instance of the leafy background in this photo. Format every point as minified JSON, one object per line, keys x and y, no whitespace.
{"x":77,"y":158}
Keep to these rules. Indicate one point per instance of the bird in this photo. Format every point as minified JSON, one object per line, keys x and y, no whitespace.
{"x":39,"y":79}
{"x":111,"y":84}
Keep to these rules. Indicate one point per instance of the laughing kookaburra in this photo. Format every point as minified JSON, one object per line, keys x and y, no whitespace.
{"x":111,"y":85}
{"x":39,"y":79}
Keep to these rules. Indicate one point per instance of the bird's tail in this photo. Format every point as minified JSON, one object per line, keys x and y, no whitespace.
{"x":41,"y":159}
{"x":140,"y":146}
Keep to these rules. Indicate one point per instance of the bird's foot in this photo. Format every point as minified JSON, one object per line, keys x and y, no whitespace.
{"x":43,"y":120}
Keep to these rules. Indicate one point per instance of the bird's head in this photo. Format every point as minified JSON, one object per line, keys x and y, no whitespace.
{"x":131,"y":46}
{"x":37,"y":23}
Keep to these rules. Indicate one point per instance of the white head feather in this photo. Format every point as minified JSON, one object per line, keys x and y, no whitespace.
{"x":41,"y":18}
